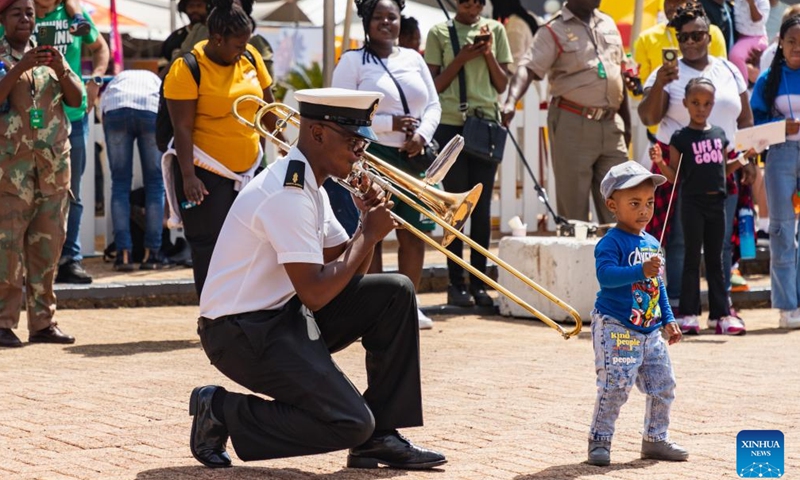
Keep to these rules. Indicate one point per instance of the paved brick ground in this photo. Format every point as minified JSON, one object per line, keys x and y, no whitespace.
{"x":504,"y":399}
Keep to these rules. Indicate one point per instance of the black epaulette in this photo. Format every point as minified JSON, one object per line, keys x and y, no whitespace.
{"x":295,"y":174}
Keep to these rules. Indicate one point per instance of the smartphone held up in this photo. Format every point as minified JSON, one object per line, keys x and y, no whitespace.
{"x":46,"y":35}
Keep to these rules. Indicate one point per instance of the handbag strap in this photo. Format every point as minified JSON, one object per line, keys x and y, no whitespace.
{"x":462,"y":78}
{"x":396,"y":84}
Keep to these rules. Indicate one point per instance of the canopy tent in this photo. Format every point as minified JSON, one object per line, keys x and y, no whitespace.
{"x":313,"y":12}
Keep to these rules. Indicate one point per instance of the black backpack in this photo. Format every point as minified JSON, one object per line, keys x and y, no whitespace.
{"x":164,"y":128}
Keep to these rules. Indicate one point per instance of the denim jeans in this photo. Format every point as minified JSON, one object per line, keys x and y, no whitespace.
{"x":781,"y":177}
{"x":122,"y":127}
{"x":77,"y":163}
{"x":622,"y":358}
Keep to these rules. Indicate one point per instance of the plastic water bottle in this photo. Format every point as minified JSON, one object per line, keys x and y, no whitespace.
{"x":6,"y":105}
{"x":796,"y":199}
{"x":747,"y":241}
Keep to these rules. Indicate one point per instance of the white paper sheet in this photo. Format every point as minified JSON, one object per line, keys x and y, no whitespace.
{"x":760,"y":137}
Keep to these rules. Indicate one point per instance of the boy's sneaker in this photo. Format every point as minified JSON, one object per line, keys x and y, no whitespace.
{"x":730,"y":326}
{"x":689,"y":324}
{"x":153,"y":261}
{"x":599,"y":453}
{"x":79,"y":27}
{"x":123,"y":262}
{"x":790,"y":319}
{"x":664,"y":450}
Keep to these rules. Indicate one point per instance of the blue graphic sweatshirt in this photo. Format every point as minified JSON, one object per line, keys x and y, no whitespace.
{"x":787,"y":102}
{"x":625,"y":294}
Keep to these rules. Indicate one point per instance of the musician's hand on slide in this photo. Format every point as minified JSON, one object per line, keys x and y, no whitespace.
{"x":378,"y":222}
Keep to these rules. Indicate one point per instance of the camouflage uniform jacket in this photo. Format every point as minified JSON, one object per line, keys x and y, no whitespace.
{"x":34,"y":159}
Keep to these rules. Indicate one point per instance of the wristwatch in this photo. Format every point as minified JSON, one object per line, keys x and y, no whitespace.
{"x":97,"y":80}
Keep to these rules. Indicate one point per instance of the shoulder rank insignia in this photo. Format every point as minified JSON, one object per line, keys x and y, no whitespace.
{"x":295,"y":174}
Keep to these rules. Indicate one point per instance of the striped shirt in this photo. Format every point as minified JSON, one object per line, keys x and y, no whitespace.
{"x":136,"y":89}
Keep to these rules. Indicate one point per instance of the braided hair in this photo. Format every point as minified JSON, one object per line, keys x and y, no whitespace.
{"x":502,"y":10}
{"x":773,"y":80}
{"x":697,"y":81}
{"x":687,"y":14}
{"x":365,"y":9}
{"x":228,"y":18}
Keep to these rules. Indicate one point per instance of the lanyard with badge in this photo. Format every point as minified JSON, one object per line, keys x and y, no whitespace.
{"x":601,"y":69}
{"x":36,"y":114}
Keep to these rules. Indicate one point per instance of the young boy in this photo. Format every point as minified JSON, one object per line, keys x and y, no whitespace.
{"x":630,"y":309}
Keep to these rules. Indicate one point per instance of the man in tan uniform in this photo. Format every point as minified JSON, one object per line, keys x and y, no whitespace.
{"x":580,"y":51}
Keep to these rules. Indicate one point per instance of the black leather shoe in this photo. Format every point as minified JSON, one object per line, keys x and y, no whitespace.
{"x":51,"y":334}
{"x":394,"y":451}
{"x":459,"y":296}
{"x":72,"y":272}
{"x":9,"y":339}
{"x":482,"y":299}
{"x":209,"y":435}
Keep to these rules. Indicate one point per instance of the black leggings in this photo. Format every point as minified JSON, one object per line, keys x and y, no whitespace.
{"x":467,"y":172}
{"x":202,"y":224}
{"x":703,"y":219}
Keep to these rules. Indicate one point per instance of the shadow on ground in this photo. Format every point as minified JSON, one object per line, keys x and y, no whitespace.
{"x":260,"y":473}
{"x":578,"y":470}
{"x":131,"y":348}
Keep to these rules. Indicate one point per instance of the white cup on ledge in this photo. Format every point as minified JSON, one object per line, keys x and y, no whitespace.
{"x":581,"y":231}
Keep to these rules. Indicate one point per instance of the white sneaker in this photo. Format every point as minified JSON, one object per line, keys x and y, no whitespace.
{"x":425,"y":323}
{"x":790,"y":319}
{"x":730,"y":326}
{"x":689,"y":325}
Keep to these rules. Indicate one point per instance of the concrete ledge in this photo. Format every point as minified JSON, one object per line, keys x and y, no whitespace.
{"x":181,"y":292}
{"x":563,"y":266}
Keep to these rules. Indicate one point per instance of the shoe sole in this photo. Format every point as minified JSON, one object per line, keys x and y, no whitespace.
{"x":666,"y":459}
{"x":54,"y":342}
{"x":368,"y":462}
{"x":194,"y":399}
{"x":599,"y":463}
{"x":81,"y":31}
{"x":691,"y":331}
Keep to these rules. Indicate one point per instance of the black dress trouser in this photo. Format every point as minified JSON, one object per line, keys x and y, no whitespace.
{"x":703,"y":219}
{"x":202,"y":224}
{"x":467,"y":172}
{"x":286,"y":354}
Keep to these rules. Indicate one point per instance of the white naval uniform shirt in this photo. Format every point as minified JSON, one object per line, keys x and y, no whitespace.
{"x":269,"y":225}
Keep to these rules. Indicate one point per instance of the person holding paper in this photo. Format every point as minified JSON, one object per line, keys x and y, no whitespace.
{"x":776,"y":97}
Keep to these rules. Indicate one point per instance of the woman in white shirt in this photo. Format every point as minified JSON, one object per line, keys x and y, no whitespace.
{"x":662,"y":105}
{"x":382,"y":66}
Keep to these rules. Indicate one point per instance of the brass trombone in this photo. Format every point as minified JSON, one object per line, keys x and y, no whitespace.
{"x":448,"y":210}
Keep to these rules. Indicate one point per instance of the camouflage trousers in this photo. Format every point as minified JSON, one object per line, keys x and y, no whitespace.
{"x":32,"y":232}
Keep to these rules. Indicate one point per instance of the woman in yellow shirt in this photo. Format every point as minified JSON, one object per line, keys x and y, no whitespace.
{"x":204,"y":126}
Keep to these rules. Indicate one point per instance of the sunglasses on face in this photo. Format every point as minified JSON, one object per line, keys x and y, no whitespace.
{"x":354,"y":142}
{"x":697,"y":36}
